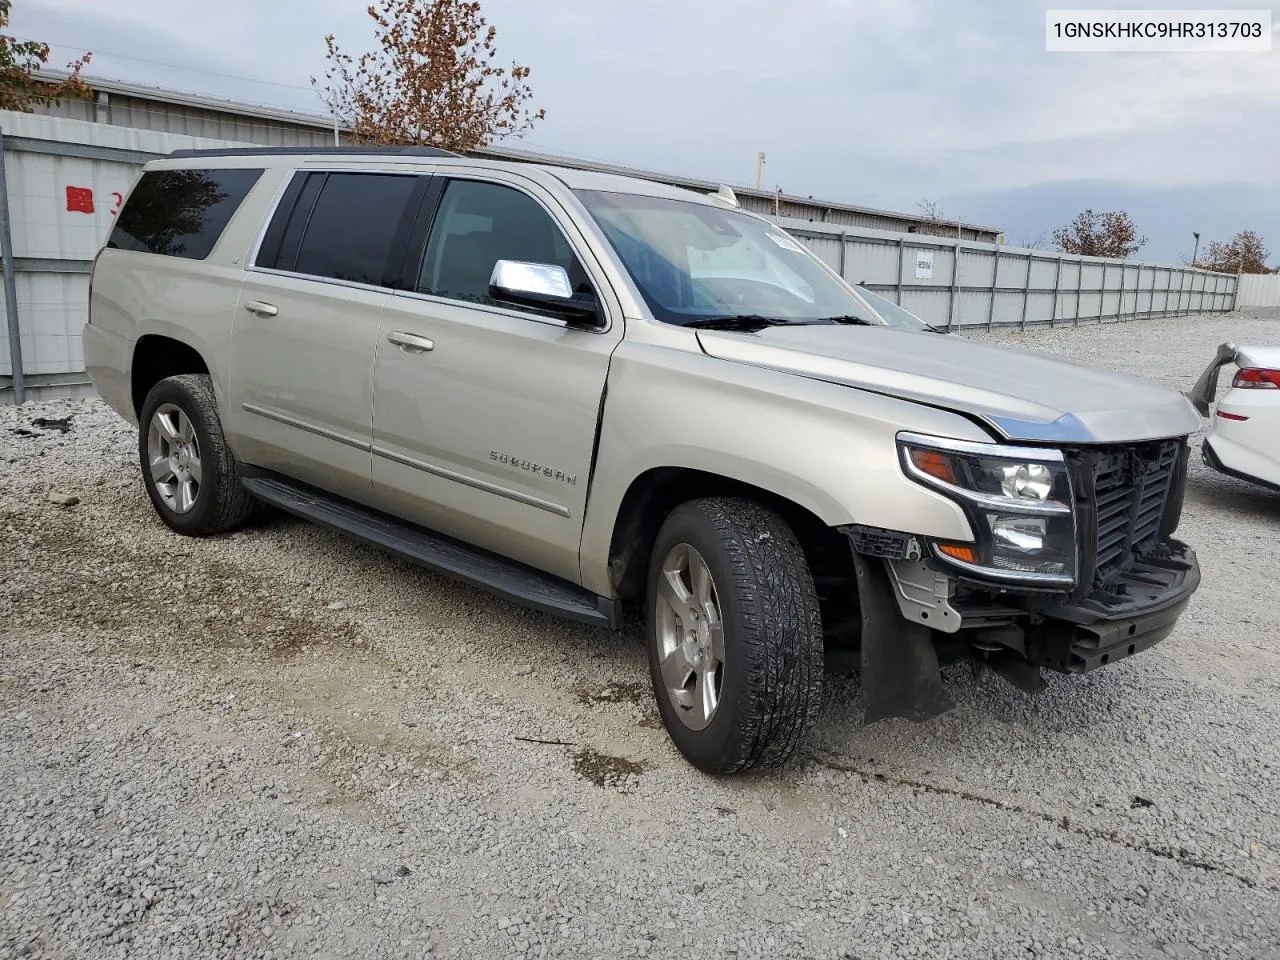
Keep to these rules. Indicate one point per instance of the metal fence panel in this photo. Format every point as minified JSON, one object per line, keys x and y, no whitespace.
{"x":66,"y":180}
{"x":1260,"y":290}
{"x":929,"y":304}
{"x":981,"y":284}
{"x":53,"y":309}
{"x":828,"y":248}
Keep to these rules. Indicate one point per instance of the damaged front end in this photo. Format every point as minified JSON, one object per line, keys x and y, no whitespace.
{"x":1205,"y":390}
{"x":1118,"y":588}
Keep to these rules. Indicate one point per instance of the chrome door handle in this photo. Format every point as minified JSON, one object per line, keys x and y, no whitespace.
{"x":411,"y":342}
{"x":261,"y":309}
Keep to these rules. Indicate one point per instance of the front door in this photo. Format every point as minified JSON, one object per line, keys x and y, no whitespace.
{"x":485,"y":414}
{"x":307,"y":325}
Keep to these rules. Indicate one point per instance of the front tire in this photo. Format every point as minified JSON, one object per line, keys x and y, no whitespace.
{"x":734,"y":635}
{"x":187,"y":467}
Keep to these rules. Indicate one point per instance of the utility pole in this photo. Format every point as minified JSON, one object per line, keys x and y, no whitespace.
{"x":759,"y":169}
{"x":1195,"y":250}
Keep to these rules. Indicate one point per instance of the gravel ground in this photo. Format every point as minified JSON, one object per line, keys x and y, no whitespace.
{"x":279,"y":744}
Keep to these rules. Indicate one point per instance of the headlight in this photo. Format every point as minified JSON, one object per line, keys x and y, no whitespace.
{"x":1018,"y":500}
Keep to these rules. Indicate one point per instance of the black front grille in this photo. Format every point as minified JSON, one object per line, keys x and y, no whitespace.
{"x":1130,"y":498}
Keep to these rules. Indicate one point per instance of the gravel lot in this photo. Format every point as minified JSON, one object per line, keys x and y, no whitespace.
{"x":280,"y":743}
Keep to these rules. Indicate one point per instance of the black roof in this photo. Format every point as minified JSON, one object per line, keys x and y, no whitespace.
{"x":312,"y":151}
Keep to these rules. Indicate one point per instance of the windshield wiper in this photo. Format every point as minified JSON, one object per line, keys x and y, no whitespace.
{"x":744,"y":321}
{"x":849,"y":319}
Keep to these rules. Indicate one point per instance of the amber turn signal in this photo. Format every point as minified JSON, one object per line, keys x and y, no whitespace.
{"x":933,"y":463}
{"x":959,"y":552}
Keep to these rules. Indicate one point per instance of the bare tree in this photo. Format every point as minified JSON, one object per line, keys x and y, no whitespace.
{"x":19,"y":90}
{"x":1243,"y":253}
{"x":1107,"y":234}
{"x":930,"y":210}
{"x":432,"y":80}
{"x":1038,"y":242}
{"x":935,"y":221}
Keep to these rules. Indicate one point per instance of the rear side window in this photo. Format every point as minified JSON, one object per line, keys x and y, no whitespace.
{"x":181,"y":213}
{"x":342,"y":226}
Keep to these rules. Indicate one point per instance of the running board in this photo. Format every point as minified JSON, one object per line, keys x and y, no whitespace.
{"x":479,"y":568}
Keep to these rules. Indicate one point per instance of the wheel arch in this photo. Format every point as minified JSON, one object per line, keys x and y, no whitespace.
{"x":652,"y":496}
{"x":157,"y":356}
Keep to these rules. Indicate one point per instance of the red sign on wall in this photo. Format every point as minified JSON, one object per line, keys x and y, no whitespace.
{"x":79,"y":200}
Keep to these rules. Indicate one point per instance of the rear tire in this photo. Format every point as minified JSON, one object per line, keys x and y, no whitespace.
{"x":744,"y":693}
{"x":187,"y":467}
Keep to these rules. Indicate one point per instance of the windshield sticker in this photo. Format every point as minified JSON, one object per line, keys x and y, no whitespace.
{"x":786,"y":243}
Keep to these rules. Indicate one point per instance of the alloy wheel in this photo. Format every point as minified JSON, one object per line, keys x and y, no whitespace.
{"x":690,"y":636}
{"x":173,"y":457}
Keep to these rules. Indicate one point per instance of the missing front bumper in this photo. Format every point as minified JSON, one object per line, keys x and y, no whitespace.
{"x":1015,"y":635}
{"x":1099,"y":630}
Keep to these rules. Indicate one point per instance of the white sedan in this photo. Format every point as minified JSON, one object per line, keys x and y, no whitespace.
{"x":1243,"y":437}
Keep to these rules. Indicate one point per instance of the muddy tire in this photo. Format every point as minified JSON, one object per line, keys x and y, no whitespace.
{"x":734,"y":635}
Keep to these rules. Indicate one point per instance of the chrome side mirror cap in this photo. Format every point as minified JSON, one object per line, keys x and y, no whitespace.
{"x":518,"y":277}
{"x":544,"y":286}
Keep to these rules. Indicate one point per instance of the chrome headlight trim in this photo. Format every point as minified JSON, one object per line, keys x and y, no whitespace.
{"x":980,"y":506}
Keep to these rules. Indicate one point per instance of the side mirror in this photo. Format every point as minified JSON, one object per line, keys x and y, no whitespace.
{"x":544,"y":286}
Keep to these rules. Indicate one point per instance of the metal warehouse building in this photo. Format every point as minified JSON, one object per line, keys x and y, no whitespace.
{"x":169,"y":111}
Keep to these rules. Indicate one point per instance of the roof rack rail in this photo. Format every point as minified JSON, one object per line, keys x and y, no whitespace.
{"x":314,"y":151}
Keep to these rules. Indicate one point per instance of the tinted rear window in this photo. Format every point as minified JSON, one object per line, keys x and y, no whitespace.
{"x":181,"y":213}
{"x":351,"y":230}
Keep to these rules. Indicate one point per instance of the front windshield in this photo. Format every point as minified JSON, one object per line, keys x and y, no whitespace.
{"x":694,"y":263}
{"x":893,"y":314}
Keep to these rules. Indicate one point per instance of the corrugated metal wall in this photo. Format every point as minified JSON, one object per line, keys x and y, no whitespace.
{"x":139,"y":113}
{"x":145,"y":108}
{"x":67,"y":177}
{"x":836,"y":216}
{"x":962,"y":283}
{"x":1260,"y":290}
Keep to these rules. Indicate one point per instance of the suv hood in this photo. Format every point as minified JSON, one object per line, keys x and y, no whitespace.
{"x":1017,"y":394}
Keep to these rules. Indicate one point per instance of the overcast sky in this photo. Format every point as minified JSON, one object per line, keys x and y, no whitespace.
{"x":878,"y":103}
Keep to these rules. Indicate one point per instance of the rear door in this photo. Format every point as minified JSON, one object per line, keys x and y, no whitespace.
{"x":307,"y":322}
{"x":485,"y":420}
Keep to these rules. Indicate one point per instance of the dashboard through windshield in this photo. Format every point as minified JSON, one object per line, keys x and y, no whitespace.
{"x":696,"y":263}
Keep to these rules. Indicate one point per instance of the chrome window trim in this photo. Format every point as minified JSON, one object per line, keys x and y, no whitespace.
{"x":250,"y":264}
{"x":256,"y":246}
{"x":331,"y":281}
{"x":482,"y":485}
{"x":481,"y":176}
{"x":494,"y":309}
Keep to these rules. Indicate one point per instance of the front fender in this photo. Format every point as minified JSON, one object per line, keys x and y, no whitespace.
{"x":831,"y":449}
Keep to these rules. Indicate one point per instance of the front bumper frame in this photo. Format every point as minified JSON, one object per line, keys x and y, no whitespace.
{"x":1140,"y":609}
{"x":899,"y":645}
